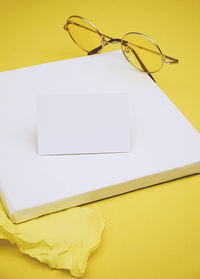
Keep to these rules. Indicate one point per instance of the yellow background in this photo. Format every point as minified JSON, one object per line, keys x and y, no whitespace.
{"x":152,"y":233}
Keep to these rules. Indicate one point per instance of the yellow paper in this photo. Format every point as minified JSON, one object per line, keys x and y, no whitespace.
{"x":63,"y":240}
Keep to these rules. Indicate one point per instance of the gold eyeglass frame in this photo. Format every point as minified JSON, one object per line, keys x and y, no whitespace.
{"x":105,"y":40}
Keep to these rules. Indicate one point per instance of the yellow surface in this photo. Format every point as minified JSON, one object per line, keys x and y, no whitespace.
{"x":154,"y":232}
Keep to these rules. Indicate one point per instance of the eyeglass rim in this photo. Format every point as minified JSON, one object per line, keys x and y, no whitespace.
{"x":152,"y":41}
{"x":98,"y":32}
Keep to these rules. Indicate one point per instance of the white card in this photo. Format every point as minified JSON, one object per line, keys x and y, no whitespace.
{"x":85,"y":123}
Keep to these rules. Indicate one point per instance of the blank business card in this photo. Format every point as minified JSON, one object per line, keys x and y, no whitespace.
{"x":83,"y":123}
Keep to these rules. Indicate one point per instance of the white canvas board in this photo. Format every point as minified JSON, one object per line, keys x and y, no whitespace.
{"x":165,"y":145}
{"x":83,"y":123}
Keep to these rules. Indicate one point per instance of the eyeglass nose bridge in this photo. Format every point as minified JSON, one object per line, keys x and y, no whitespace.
{"x":107,"y":40}
{"x":104,"y":41}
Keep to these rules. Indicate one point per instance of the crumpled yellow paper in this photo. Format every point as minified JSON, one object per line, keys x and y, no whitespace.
{"x":63,"y":240}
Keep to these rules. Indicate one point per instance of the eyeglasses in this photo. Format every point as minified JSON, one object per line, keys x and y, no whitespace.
{"x":141,"y":51}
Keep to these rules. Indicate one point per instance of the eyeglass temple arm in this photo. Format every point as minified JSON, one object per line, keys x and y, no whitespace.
{"x":133,"y":51}
{"x":172,"y":60}
{"x":85,"y":27}
{"x":142,"y":64}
